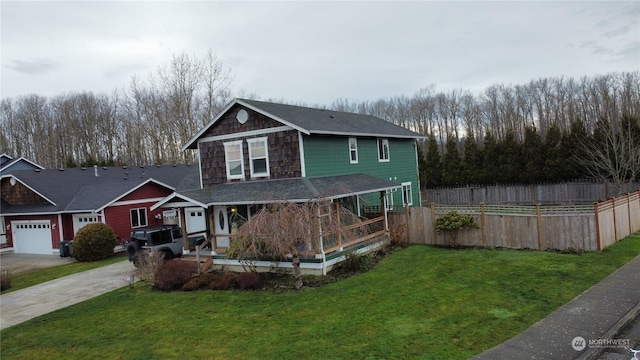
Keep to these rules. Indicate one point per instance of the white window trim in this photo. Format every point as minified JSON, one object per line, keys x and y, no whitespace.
{"x":405,"y":186}
{"x":266,"y":156}
{"x":226,"y":161}
{"x":389,"y":199}
{"x":146,"y":218}
{"x":355,"y":151}
{"x":380,"y":155}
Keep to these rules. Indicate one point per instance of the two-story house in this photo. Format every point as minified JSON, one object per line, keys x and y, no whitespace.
{"x":254,"y":153}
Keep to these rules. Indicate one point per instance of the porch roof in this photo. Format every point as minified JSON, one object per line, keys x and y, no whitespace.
{"x":281,"y":190}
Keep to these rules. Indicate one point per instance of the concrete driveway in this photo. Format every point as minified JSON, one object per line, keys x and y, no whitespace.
{"x":22,"y":263}
{"x":25,"y":304}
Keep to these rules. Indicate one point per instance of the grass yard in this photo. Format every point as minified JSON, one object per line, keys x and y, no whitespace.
{"x":420,"y":302}
{"x":22,"y":281}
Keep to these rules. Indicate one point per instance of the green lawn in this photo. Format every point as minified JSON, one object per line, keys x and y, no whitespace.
{"x":22,"y":281}
{"x":420,"y":302}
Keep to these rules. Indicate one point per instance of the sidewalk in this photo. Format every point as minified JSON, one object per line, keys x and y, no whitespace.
{"x":25,"y":304}
{"x":600,"y":312}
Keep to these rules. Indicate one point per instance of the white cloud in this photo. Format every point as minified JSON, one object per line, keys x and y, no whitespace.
{"x":316,"y":51}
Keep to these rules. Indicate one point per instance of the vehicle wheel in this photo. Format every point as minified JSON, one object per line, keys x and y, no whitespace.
{"x":132,"y":252}
{"x":168,"y":255}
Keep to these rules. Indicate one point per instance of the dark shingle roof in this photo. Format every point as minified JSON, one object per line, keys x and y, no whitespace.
{"x":295,"y":189}
{"x":77,"y":189}
{"x":318,"y":121}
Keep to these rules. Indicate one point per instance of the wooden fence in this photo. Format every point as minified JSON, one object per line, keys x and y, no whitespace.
{"x":578,"y":227}
{"x":579,"y":192}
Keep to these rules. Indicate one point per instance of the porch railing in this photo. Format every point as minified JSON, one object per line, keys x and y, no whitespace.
{"x":331,"y":241}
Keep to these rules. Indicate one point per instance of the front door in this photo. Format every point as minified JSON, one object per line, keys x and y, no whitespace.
{"x":221,"y":219}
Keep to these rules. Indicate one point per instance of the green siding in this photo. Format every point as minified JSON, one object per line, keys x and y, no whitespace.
{"x":329,"y":155}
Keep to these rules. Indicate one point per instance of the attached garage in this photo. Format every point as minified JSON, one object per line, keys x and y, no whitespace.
{"x":32,"y":237}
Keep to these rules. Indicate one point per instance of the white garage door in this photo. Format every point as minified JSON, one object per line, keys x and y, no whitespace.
{"x":32,"y":237}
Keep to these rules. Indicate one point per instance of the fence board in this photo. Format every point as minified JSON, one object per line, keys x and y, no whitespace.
{"x":578,"y":227}
{"x":581,"y":192}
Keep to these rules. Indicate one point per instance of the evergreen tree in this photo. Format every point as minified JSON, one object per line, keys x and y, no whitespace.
{"x":555,"y":163}
{"x":490,"y":165}
{"x":510,"y":159}
{"x":572,"y":151}
{"x":472,"y":161}
{"x":452,"y":164}
{"x":533,"y":152}
{"x":434,"y":164}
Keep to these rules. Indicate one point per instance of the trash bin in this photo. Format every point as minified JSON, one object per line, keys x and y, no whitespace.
{"x":70,"y":246}
{"x":64,"y":249}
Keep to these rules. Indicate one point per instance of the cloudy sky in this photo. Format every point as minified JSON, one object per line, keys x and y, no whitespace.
{"x":315,"y":52}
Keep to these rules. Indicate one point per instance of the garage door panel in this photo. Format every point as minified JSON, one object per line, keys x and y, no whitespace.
{"x":32,"y":237}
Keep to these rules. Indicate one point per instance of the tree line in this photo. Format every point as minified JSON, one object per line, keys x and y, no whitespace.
{"x":145,"y":123}
{"x":506,"y":133}
{"x":558,"y":157}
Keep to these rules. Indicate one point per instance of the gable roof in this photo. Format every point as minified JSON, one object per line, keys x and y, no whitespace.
{"x":316,"y":121}
{"x":18,"y":164}
{"x":79,"y":189}
{"x":281,"y":190}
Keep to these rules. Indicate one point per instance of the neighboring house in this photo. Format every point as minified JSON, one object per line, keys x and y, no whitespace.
{"x":41,"y":207}
{"x":8,"y":164}
{"x":254,"y":153}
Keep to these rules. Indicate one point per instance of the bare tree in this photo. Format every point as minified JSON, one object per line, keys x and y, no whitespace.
{"x":613,"y":152}
{"x":287,"y":229}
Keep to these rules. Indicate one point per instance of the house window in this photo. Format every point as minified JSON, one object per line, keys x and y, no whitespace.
{"x":353,"y":150}
{"x":388,"y":194}
{"x":233,"y":156}
{"x":138,"y":217}
{"x":407,"y":199}
{"x":258,"y":157}
{"x":383,"y":150}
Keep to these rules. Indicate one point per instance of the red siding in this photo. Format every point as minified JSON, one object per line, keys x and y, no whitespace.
{"x":148,"y":191}
{"x":119,"y":217}
{"x":67,"y":227}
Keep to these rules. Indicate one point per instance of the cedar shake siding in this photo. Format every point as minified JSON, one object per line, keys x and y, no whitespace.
{"x":19,"y":194}
{"x":283,"y":147}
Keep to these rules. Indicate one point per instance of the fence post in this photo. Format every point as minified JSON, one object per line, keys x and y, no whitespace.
{"x":433,"y":223}
{"x":596,"y":214}
{"x":408,"y":224}
{"x":629,"y":212}
{"x":615,"y":226}
{"x":540,"y":239}
{"x":484,"y":225}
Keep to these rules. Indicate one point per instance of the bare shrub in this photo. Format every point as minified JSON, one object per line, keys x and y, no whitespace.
{"x":173,"y":274}
{"x":5,"y":279}
{"x":147,"y":265}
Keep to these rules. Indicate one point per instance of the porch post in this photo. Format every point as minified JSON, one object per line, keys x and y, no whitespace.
{"x":212,"y":229}
{"x":339,"y":225}
{"x":183,"y":225}
{"x":383,"y":207}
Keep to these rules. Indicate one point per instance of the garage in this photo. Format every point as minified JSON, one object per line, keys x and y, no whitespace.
{"x":32,"y":237}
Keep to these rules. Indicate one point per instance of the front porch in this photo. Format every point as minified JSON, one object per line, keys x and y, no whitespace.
{"x":337,"y":224}
{"x":318,"y":264}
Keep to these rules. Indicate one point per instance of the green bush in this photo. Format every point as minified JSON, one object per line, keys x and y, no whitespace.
{"x":94,"y":242}
{"x":452,"y":223}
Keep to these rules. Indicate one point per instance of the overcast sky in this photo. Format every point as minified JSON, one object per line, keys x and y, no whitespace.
{"x":315,"y":52}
